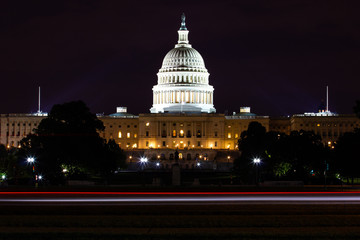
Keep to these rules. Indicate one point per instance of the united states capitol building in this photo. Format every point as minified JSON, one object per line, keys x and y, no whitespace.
{"x":183,"y":119}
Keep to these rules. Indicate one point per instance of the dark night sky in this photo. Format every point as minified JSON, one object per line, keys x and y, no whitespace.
{"x":275,"y":56}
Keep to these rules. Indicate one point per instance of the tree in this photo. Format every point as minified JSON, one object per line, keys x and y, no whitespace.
{"x":347,"y":155}
{"x":251,"y":144}
{"x":357,"y":108}
{"x":11,"y":165}
{"x":69,"y":137}
{"x":292,"y":156}
{"x":297,"y":154}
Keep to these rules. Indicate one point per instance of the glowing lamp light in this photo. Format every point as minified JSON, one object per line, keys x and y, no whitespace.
{"x":40,"y":177}
{"x":143,"y":160}
{"x":198,"y":164}
{"x":64,"y":170}
{"x":30,"y":159}
{"x":158,"y":164}
{"x":3,"y":176}
{"x":257,"y":160}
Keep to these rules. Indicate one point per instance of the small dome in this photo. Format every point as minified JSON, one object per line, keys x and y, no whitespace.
{"x":183,"y":57}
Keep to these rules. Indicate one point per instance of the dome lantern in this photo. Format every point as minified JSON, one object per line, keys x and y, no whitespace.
{"x":183,"y":34}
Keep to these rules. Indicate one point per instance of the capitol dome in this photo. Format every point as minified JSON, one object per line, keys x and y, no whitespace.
{"x":183,"y":80}
{"x":183,"y":57}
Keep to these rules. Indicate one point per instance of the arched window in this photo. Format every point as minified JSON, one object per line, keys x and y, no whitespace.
{"x":188,"y":156}
{"x":171,"y":157}
{"x":180,"y":156}
{"x":120,"y":135}
{"x":174,"y":133}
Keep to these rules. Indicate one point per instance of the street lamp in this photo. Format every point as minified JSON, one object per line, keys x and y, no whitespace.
{"x":31,"y":160}
{"x":143,"y":162}
{"x":257,"y":162}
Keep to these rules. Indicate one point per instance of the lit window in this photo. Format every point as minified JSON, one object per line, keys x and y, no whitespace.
{"x":147,"y":143}
{"x":135,"y":135}
{"x":120,"y":135}
{"x":229,"y":135}
{"x":181,"y":133}
{"x":128,"y":135}
{"x":236,"y":135}
{"x":174,"y":133}
{"x":180,"y":156}
{"x":318,"y":124}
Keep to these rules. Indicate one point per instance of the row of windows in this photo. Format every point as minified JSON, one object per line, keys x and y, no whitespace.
{"x":128,"y":126}
{"x":198,"y":144}
{"x":236,"y":135}
{"x":17,"y":134}
{"x":24,"y":124}
{"x":128,"y":135}
{"x":180,"y":134}
{"x":329,"y":125}
{"x":174,"y":79}
{"x":171,"y":156}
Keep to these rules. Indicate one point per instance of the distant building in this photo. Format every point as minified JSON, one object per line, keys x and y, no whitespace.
{"x":183,"y":119}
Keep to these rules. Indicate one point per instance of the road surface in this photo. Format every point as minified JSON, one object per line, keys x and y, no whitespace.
{"x":178,"y":198}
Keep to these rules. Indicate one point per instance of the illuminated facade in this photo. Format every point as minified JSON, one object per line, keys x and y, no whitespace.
{"x":183,"y":119}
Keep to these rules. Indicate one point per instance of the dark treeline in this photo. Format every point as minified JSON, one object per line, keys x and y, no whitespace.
{"x":66,"y":145}
{"x":300,"y":156}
